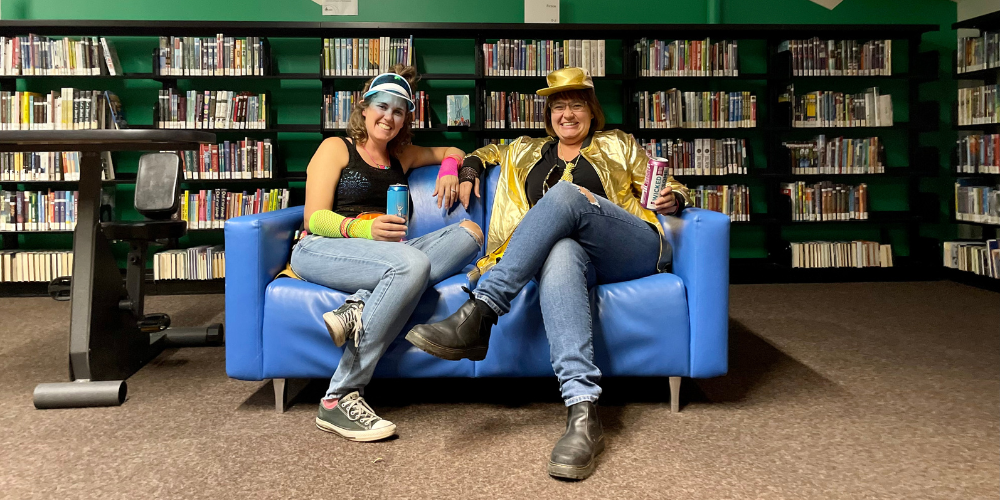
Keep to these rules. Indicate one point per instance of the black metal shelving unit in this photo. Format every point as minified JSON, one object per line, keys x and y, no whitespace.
{"x":979,"y":77}
{"x":770,"y":131}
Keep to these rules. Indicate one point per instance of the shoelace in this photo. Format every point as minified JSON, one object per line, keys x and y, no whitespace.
{"x":359,"y":410}
{"x":353,"y":321}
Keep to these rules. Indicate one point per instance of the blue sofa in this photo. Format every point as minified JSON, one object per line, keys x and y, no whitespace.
{"x":672,"y":325}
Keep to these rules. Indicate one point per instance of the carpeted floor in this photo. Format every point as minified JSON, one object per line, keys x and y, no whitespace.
{"x":862,"y":390}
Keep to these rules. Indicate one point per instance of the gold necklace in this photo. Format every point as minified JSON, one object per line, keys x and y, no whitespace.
{"x":567,"y":174}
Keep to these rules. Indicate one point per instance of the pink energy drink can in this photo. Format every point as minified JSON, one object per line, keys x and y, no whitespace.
{"x":656,"y":172}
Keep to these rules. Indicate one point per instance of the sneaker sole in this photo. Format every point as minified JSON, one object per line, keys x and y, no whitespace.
{"x":566,"y":471}
{"x":332,"y":327}
{"x":372,"y":435}
{"x":449,"y":353}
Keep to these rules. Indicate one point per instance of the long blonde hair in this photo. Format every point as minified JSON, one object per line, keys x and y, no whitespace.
{"x":356,"y":123}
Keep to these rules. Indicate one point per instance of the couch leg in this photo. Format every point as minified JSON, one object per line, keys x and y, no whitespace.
{"x":279,"y":395}
{"x":675,"y":394}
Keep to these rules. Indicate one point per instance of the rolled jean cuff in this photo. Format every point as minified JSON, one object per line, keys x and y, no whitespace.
{"x":488,"y":301}
{"x":579,"y":399}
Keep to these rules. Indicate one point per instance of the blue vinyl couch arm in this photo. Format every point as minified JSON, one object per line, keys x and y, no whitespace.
{"x":257,"y":248}
{"x":700,"y":241}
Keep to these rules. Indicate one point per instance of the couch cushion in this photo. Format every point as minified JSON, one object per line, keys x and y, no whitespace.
{"x":426,"y":217}
{"x":640,"y":329}
{"x":297,"y":345}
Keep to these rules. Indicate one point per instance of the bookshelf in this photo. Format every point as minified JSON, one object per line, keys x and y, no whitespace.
{"x":971,"y":231}
{"x":451,"y":55}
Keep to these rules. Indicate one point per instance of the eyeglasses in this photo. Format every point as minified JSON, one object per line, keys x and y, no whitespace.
{"x":576,"y":107}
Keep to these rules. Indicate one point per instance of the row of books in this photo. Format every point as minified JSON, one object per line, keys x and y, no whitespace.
{"x":20,"y":266}
{"x":211,"y":109}
{"x":823,"y":108}
{"x":858,"y":253}
{"x":826,"y":201}
{"x":63,"y":109}
{"x":978,"y":105}
{"x":688,"y":58}
{"x":977,"y":203}
{"x":41,"y":55}
{"x":203,"y":262}
{"x":499,"y":142}
{"x":733,"y":200}
{"x":244,"y":159}
{"x":210,"y":208}
{"x":38,"y":210}
{"x":337,"y":108}
{"x":701,"y":156}
{"x":46,"y":166}
{"x":514,"y":110}
{"x":815,"y":57}
{"x":838,"y":155}
{"x":982,"y":258}
{"x":510,"y":57}
{"x":979,"y":154}
{"x":365,"y":56}
{"x":218,"y":56}
{"x":978,"y":52}
{"x":675,"y":109}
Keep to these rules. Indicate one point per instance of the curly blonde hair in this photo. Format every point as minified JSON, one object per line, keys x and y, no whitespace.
{"x":356,"y":123}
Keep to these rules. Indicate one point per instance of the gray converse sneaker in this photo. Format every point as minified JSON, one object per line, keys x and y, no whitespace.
{"x":354,"y":419}
{"x":344,"y":322}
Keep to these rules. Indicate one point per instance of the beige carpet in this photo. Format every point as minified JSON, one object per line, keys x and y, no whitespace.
{"x":885,"y":390}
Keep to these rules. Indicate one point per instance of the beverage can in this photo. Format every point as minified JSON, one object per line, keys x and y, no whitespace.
{"x":398,"y":202}
{"x":659,"y":169}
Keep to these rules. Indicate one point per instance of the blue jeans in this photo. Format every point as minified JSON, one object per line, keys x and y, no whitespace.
{"x":570,"y":244}
{"x":389,"y":278}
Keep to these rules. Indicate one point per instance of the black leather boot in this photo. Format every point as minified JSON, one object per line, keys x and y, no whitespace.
{"x":464,"y":334}
{"x":575,"y":455}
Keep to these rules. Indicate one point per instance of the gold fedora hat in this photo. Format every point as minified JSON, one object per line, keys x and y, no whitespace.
{"x":566,"y":79}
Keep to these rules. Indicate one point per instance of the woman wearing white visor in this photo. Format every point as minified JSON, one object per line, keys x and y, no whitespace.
{"x":346,"y":249}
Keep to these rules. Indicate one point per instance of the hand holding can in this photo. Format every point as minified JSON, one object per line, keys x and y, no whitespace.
{"x":398,"y":203}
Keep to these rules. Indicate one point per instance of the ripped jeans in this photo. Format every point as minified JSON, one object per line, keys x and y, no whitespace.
{"x":570,"y":244}
{"x":389,"y":278}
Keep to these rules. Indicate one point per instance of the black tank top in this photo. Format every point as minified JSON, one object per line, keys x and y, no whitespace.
{"x":362,"y":187}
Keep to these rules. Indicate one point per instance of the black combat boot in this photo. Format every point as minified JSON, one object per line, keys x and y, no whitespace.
{"x":575,"y":455}
{"x":464,"y":334}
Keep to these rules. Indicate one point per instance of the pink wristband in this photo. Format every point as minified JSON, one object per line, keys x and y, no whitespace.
{"x":448,"y":167}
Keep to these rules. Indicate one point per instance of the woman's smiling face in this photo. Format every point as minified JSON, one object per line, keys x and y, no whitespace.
{"x":570,"y":119}
{"x":384,"y":116}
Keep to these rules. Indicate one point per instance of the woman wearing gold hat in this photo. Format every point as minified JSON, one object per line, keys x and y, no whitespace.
{"x":566,"y":212}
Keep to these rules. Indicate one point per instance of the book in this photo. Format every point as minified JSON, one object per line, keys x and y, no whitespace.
{"x":458,"y":111}
{"x":114,"y":66}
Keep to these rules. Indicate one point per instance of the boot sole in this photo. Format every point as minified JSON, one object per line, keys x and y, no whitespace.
{"x":566,"y":471}
{"x":449,"y":353}
{"x":372,"y":435}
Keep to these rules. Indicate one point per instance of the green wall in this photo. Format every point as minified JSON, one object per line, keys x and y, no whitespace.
{"x":299,"y":99}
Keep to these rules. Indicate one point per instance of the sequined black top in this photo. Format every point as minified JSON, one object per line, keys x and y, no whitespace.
{"x":362,"y":187}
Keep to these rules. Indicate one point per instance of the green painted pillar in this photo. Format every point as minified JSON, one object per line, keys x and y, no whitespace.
{"x":714,"y":11}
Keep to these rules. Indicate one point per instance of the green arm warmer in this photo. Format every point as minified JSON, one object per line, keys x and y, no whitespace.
{"x":327,"y":223}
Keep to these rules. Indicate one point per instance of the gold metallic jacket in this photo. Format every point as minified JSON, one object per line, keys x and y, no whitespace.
{"x":618,"y":159}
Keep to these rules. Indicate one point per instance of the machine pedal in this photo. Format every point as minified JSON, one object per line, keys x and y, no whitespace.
{"x":156,"y":322}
